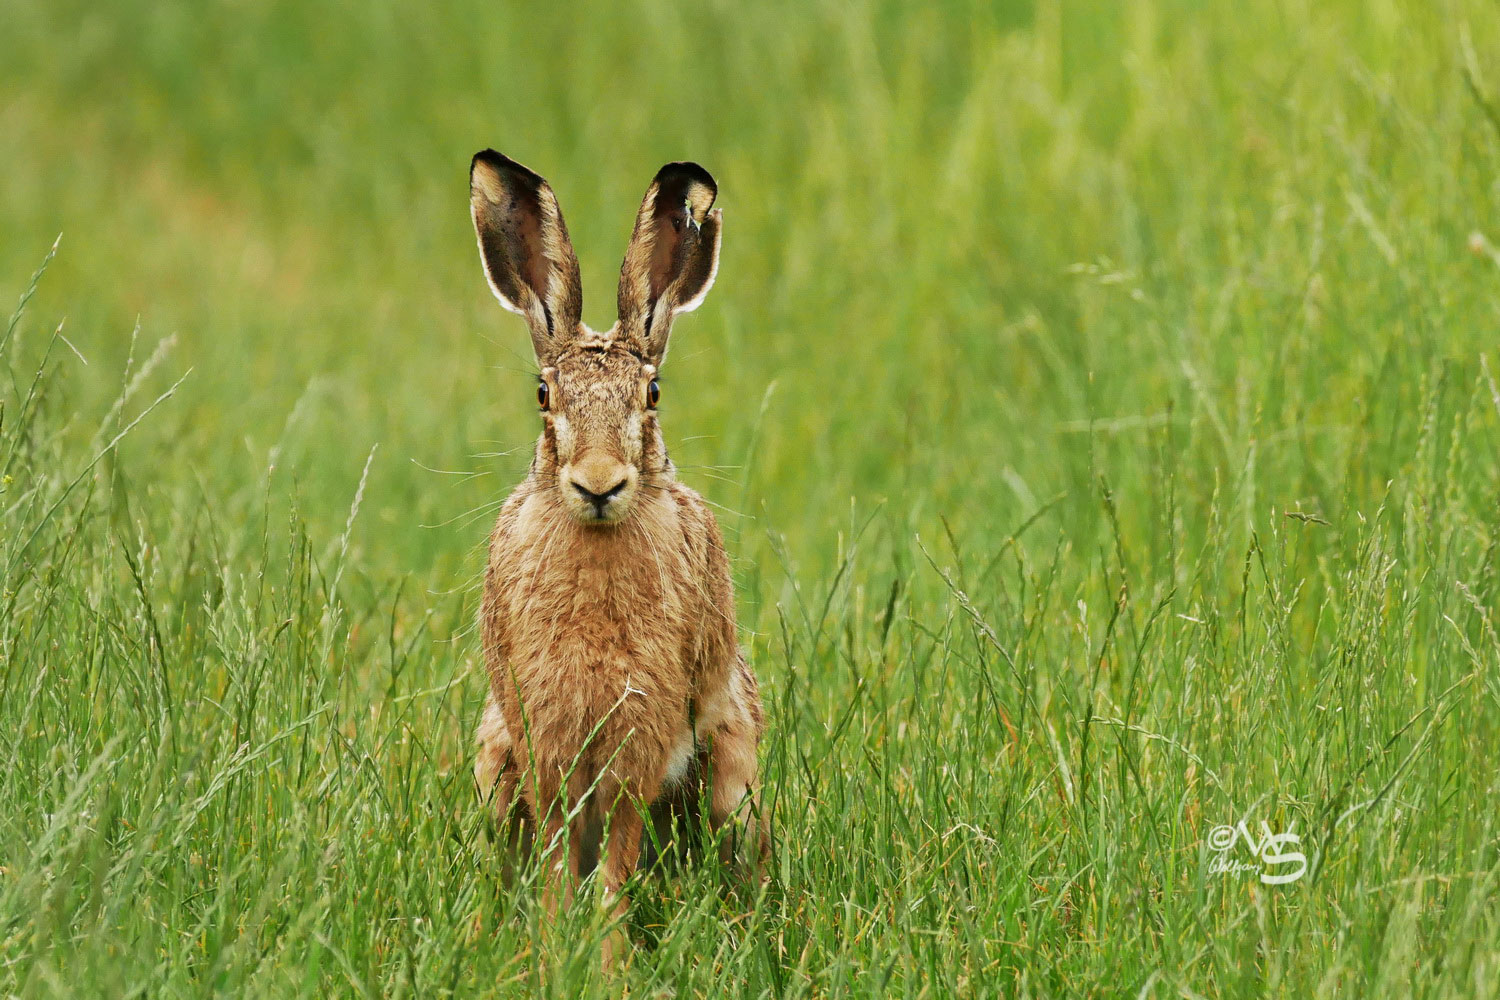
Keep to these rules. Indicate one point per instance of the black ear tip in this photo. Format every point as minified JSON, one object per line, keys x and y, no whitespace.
{"x":489,"y":158}
{"x":502,"y":164}
{"x":685,"y":173}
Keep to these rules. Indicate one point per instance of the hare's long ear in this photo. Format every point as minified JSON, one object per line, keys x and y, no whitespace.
{"x":524,"y":245}
{"x":673,"y":256}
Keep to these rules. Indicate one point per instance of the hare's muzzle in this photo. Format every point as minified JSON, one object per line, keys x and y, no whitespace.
{"x":597,"y":489}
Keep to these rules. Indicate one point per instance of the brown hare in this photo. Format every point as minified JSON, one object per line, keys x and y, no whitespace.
{"x":616,"y":683}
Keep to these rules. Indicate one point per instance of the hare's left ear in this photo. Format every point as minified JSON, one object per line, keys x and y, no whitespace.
{"x":523,"y":243}
{"x":673,"y":256}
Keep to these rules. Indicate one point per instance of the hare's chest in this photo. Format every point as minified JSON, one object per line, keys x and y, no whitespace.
{"x":584,"y":601}
{"x":595,"y":639}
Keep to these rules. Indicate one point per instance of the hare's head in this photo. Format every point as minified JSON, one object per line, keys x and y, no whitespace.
{"x":600,"y":443}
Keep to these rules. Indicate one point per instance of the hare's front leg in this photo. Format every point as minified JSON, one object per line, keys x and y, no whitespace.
{"x":561,"y":842}
{"x":732,"y":770}
{"x":494,"y":762}
{"x":622,"y":853}
{"x":733,"y":748}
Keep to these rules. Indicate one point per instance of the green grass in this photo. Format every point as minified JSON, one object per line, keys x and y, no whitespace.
{"x":1101,"y":402}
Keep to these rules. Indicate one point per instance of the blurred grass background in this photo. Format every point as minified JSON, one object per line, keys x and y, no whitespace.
{"x":1083,"y":300}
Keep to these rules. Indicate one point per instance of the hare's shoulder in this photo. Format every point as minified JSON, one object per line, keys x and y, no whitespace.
{"x":715,"y":643}
{"x":699,"y":526}
{"x":519,"y":514}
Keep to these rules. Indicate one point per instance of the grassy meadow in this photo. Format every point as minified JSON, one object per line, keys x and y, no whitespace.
{"x":1101,"y":403}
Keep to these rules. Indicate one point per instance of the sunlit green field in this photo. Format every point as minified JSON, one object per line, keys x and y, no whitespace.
{"x":1101,"y":403}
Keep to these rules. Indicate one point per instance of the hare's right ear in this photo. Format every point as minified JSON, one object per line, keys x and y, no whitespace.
{"x":524,"y":245}
{"x":672,"y":259}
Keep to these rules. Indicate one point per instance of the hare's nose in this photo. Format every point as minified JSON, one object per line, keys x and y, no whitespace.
{"x":598,"y":478}
{"x":599,"y":498}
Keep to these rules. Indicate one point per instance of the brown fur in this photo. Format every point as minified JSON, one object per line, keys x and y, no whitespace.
{"x":616,"y":683}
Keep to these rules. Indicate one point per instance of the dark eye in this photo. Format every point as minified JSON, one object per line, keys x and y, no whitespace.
{"x":653,"y":393}
{"x":542,"y":395}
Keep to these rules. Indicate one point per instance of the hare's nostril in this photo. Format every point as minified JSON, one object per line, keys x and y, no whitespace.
{"x":599,"y":500}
